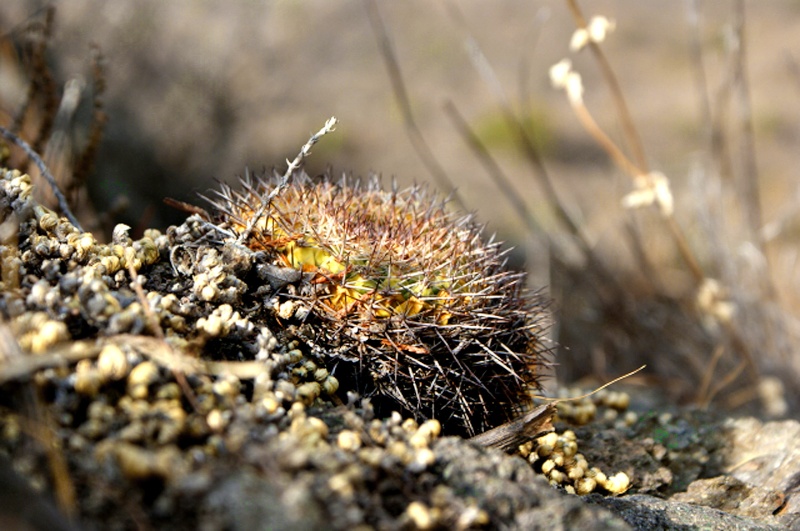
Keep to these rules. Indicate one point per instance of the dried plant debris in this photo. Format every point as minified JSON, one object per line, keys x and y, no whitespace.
{"x":42,"y":132}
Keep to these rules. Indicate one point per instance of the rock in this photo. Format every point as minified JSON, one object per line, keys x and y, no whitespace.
{"x":648,"y":513}
{"x":766,"y":455}
{"x":733,"y":496}
{"x":247,"y":500}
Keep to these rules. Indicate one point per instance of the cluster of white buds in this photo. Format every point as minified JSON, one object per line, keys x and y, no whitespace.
{"x":562,"y":76}
{"x":595,"y":31}
{"x":713,"y":301}
{"x":650,"y":188}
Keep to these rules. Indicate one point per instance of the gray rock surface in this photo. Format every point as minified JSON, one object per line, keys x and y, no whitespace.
{"x":648,"y":513}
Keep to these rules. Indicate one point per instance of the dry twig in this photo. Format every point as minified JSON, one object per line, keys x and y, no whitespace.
{"x":415,"y":136}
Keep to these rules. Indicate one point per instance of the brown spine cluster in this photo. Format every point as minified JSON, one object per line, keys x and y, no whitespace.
{"x":401,"y":297}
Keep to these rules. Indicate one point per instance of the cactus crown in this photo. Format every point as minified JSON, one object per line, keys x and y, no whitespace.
{"x":396,"y":284}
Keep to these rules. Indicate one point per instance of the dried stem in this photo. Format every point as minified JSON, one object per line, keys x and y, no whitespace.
{"x":605,"y":141}
{"x":493,"y":169}
{"x":40,"y":426}
{"x":702,"y":396}
{"x":294,"y":165}
{"x":751,"y":195}
{"x":157,"y":350}
{"x":155,"y":326}
{"x":415,"y":136}
{"x":62,"y":201}
{"x":684,"y":249}
{"x":631,"y":133}
{"x":41,"y":82}
{"x":726,"y":380}
{"x":699,"y":70}
{"x":86,"y":160}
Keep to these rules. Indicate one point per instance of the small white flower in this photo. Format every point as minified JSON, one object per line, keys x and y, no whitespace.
{"x":638,"y":198}
{"x":579,"y":39}
{"x":559,"y":73}
{"x":650,"y":188}
{"x":712,"y":301}
{"x":574,"y":88}
{"x":663,"y":194}
{"x":599,"y":27}
{"x":563,"y":77}
{"x":596,"y":31}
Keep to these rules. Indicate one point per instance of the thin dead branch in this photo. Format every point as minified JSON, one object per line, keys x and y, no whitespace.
{"x":161,"y":352}
{"x":493,"y":169}
{"x":750,"y":194}
{"x":29,"y":151}
{"x":415,"y":136}
{"x":631,"y":133}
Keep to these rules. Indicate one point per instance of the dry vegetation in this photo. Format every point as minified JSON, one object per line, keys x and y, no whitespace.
{"x":695,"y":294}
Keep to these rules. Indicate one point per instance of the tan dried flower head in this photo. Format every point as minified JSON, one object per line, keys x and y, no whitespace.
{"x":403,"y":298}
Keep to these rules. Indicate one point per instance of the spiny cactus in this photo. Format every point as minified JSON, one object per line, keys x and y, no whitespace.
{"x":402,"y":298}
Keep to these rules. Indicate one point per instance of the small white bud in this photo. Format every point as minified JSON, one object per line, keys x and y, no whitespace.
{"x":712,"y":300}
{"x":580,"y":38}
{"x":599,"y":27}
{"x":574,"y":87}
{"x":650,"y":188}
{"x":559,"y":73}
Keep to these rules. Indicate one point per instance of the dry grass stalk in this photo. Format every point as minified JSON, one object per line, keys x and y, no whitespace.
{"x":718,"y":318}
{"x":45,"y":122}
{"x":415,"y":136}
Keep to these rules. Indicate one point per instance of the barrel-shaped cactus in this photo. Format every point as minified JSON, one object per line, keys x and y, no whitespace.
{"x":403,"y":298}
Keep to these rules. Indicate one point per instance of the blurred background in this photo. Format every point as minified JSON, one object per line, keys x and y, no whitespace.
{"x":193,"y":91}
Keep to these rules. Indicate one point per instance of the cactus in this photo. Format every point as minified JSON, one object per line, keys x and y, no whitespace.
{"x":400,"y":296}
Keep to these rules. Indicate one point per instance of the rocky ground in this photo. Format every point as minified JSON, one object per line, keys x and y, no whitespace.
{"x":146,"y":384}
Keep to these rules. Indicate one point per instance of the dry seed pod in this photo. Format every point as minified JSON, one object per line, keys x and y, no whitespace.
{"x":618,"y":483}
{"x":112,"y":363}
{"x":394,"y":283}
{"x":585,"y":486}
{"x":348,"y":440}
